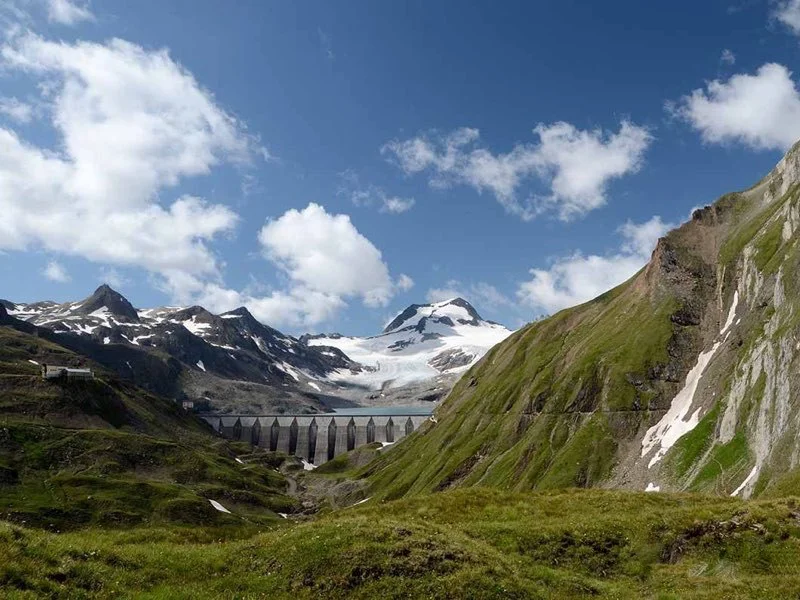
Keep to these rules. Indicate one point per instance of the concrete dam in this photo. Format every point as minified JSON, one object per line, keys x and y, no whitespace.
{"x":316,"y":438}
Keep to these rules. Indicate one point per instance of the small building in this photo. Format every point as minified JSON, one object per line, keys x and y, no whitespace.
{"x":188,"y":405}
{"x":57,"y":372}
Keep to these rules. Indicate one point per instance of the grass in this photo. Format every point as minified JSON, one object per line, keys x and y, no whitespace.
{"x":692,"y":446}
{"x":726,"y":464}
{"x":767,"y":245}
{"x":105,"y":452}
{"x":547,"y":407}
{"x":749,"y":224}
{"x":477,"y":543}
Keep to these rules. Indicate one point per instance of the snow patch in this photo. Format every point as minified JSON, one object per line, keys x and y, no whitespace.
{"x":678,"y":421}
{"x":314,"y":385}
{"x":288,"y":369}
{"x":403,"y":355}
{"x":652,"y":487}
{"x":219,"y":506}
{"x":193,"y":326}
{"x":307,"y":466}
{"x":33,"y":362}
{"x":239,"y":460}
{"x":201,"y":366}
{"x":753,"y":473}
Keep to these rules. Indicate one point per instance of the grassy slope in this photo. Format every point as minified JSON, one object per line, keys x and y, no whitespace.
{"x":459,"y":544}
{"x":546,"y":407}
{"x":106,"y":452}
{"x":550,"y":406}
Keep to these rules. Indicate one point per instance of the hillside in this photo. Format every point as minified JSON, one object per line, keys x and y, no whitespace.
{"x":458,"y":544}
{"x":682,"y":378}
{"x":105,"y":452}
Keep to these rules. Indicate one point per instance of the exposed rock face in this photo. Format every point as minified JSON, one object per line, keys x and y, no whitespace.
{"x":104,"y":298}
{"x":683,"y":378}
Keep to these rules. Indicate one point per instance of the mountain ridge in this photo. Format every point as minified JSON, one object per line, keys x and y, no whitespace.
{"x":231,"y":362}
{"x":701,"y":342}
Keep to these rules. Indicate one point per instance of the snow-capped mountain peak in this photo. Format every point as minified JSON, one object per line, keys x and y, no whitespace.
{"x":421,"y":343}
{"x":449,"y":312}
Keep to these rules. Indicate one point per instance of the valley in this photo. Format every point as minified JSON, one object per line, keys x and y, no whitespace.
{"x":678,"y":382}
{"x":399,"y":300}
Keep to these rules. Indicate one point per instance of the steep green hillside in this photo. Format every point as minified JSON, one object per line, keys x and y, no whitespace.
{"x":711,"y":321}
{"x":458,"y":544}
{"x":106,"y":452}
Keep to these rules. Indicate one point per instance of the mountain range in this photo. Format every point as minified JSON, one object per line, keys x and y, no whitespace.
{"x":231,"y":362}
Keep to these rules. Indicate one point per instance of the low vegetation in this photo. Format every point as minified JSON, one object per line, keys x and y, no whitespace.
{"x":104,"y":452}
{"x":476,"y":543}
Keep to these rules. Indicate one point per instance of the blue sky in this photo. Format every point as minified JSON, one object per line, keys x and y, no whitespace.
{"x":329,"y":163}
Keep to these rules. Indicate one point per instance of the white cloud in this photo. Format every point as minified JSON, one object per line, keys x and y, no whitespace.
{"x":54,"y":271}
{"x":761,"y":111}
{"x":577,"y":278}
{"x":404,"y":283}
{"x":577,"y":165}
{"x":16,"y":110}
{"x":325,"y":252}
{"x":397,"y":205}
{"x":326,"y":261}
{"x":788,"y":13}
{"x":371,"y":195}
{"x":581,"y":163}
{"x":113,"y":277}
{"x":67,"y":12}
{"x":481,"y":294}
{"x":727,"y":57}
{"x":130,"y":124}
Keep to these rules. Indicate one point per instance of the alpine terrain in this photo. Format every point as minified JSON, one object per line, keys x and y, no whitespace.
{"x":233,"y":363}
{"x":683,"y":378}
{"x":418,"y":356}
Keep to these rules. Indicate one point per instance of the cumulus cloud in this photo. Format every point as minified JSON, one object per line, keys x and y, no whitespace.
{"x":66,"y":12}
{"x":326,"y":262}
{"x":16,"y":110}
{"x":576,"y":278}
{"x":371,"y":195}
{"x":130,"y":124}
{"x":54,"y":271}
{"x":761,"y":111}
{"x":325,"y":252}
{"x":788,"y":13}
{"x":576,"y":165}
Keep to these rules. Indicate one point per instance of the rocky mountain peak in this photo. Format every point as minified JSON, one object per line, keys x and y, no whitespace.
{"x":455,"y":311}
{"x":112,"y":300}
{"x":241,"y":312}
